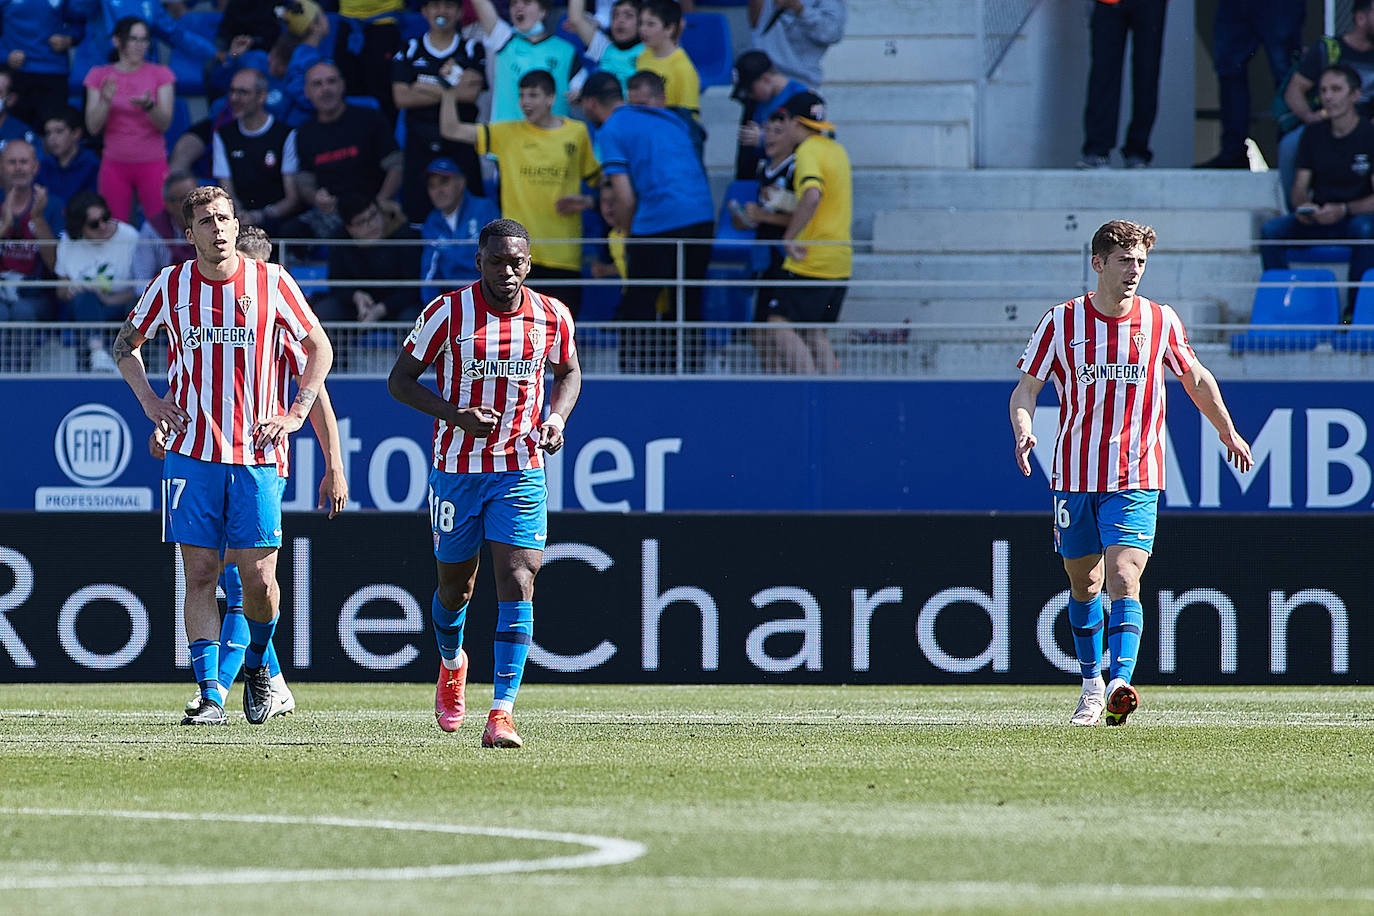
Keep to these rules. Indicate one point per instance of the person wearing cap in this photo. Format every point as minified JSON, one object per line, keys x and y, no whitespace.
{"x":544,"y":159}
{"x":816,"y":240}
{"x":661,"y":192}
{"x":457,"y":217}
{"x":254,"y":156}
{"x":419,"y":73}
{"x":614,"y":48}
{"x":761,"y":89}
{"x":795,"y":34}
{"x":519,"y":46}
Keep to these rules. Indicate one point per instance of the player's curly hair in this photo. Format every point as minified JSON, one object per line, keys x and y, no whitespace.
{"x":1123,"y":233}
{"x":501,"y":228}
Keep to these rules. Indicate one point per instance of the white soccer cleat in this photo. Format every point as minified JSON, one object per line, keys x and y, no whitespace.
{"x":283,"y":702}
{"x":1090,"y":704}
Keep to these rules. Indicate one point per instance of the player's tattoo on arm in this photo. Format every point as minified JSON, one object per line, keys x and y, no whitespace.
{"x":123,"y":348}
{"x":305,"y":398}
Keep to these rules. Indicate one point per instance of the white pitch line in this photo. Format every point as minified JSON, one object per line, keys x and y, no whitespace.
{"x":963,"y":889}
{"x":605,"y":851}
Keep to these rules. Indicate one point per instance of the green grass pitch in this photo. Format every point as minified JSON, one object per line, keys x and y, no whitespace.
{"x":732,"y":800}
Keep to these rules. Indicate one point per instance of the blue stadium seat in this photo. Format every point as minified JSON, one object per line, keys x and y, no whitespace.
{"x":1277,"y":305}
{"x":1360,"y":337}
{"x":190,"y":71}
{"x":181,"y":119}
{"x":305,"y":271}
{"x":707,"y":41}
{"x":1319,"y":254}
{"x":731,"y":243}
{"x":363,"y":101}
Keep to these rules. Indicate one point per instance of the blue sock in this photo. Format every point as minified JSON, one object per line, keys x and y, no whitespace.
{"x":233,"y":643}
{"x":205,"y":663}
{"x":270,"y":659}
{"x":1085,"y":619}
{"x":232,"y":584}
{"x":259,"y":637}
{"x":514,"y":632}
{"x":1123,"y":636}
{"x":448,"y":627}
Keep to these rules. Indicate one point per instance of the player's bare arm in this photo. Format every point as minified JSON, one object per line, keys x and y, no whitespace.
{"x":1202,"y":387}
{"x":319,"y":356}
{"x":1022,"y":414}
{"x":567,"y":385}
{"x":404,"y":385}
{"x":334,"y":484}
{"x":165,"y":414}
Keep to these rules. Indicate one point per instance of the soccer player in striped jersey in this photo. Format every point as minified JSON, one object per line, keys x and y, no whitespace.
{"x":1105,"y":352}
{"x":490,"y":344}
{"x":234,"y":636}
{"x":221,"y":484}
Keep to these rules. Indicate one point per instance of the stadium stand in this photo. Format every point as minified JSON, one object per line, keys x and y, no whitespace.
{"x":190,"y":72}
{"x":1281,"y":300}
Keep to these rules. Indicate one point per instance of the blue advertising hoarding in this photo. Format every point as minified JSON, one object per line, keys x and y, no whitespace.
{"x":685,"y":445}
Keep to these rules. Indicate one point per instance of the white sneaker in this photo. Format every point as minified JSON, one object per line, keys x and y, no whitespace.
{"x":1090,"y":704}
{"x":283,"y":702}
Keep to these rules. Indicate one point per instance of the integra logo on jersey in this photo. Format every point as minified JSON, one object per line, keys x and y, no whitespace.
{"x":196,"y":336}
{"x":1132,"y":373}
{"x":500,"y":368}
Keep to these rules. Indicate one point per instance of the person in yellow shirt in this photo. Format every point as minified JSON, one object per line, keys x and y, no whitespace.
{"x":543,"y":160}
{"x":370,"y":33}
{"x":816,"y":240}
{"x":660,"y":28}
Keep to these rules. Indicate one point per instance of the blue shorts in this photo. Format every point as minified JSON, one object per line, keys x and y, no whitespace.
{"x":208,"y":504}
{"x":466,"y":509}
{"x":1088,"y":523}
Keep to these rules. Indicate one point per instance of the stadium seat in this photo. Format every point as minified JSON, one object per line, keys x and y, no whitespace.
{"x":1301,"y":305}
{"x":181,"y":119}
{"x":732,"y":245}
{"x":1319,"y":254}
{"x":706,"y":39}
{"x":190,"y":71}
{"x":363,"y":101}
{"x":1360,"y":337}
{"x":305,"y":271}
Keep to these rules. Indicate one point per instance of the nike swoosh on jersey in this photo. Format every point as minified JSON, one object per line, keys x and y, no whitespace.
{"x":1078,"y":343}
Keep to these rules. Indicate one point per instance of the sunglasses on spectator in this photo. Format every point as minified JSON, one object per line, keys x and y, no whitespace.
{"x":97,"y":223}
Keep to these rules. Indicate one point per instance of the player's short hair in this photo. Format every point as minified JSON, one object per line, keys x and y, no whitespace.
{"x":539,"y":79}
{"x":200,"y":196}
{"x":603,"y":87}
{"x":1347,"y":72}
{"x":1121,"y":233}
{"x":501,"y":228}
{"x":668,"y":12}
{"x":648,"y":81}
{"x":255,"y":243}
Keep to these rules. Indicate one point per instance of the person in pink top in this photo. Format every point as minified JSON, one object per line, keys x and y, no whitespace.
{"x":129,"y":101}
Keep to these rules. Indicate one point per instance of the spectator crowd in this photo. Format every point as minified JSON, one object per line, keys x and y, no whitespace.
{"x":377,"y":137}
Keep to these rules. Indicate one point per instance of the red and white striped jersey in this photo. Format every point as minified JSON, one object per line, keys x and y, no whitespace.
{"x":1111,"y":391}
{"x":291,"y":360}
{"x":492,"y":358}
{"x":223,"y":352}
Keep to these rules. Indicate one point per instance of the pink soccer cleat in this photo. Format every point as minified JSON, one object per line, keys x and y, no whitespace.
{"x":448,"y":694}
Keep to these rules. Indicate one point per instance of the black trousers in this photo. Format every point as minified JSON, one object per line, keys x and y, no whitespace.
{"x":655,"y":351}
{"x":1143,"y":20}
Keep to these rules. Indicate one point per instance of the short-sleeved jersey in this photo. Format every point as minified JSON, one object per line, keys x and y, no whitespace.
{"x":511,"y":55}
{"x":681,"y":82}
{"x":1111,"y":391}
{"x":291,"y":360}
{"x":538,"y":167}
{"x":223,"y":353}
{"x":492,"y":358}
{"x":420,"y":62}
{"x":823,"y":164}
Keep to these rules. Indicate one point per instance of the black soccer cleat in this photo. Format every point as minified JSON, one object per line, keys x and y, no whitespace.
{"x":206,"y":712}
{"x":257,"y":695}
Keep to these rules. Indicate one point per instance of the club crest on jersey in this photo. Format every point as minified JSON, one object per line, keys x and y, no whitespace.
{"x":245,"y":303}
{"x":1139,"y":338}
{"x":536,"y":336}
